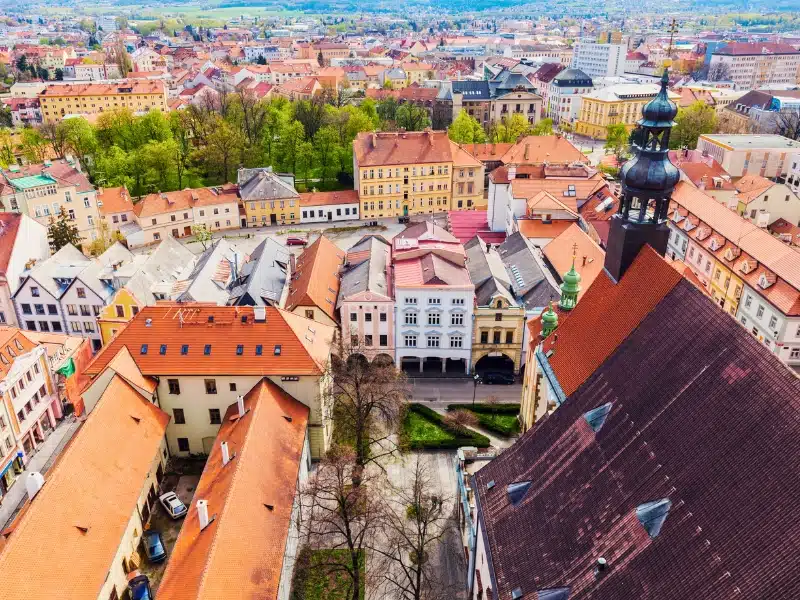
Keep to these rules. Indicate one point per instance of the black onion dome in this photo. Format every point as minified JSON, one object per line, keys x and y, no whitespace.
{"x":660,"y":111}
{"x":650,"y":170}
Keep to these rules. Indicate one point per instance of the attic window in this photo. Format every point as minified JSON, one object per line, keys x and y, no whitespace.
{"x":244,"y":318}
{"x":163,"y":349}
{"x":516,"y":593}
{"x":561,"y":593}
{"x":596,"y":417}
{"x":259,"y":349}
{"x":653,"y":514}
{"x":143,"y":349}
{"x":210,"y":318}
{"x":18,"y":344}
{"x":239,"y":350}
{"x":277,"y":351}
{"x":490,"y":485}
{"x":207,"y":350}
{"x":185,"y":349}
{"x":3,"y":359}
{"x":516,"y":491}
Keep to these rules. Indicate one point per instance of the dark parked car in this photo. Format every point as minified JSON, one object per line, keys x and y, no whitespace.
{"x":501,"y":378}
{"x":154,"y":546}
{"x":139,"y":586}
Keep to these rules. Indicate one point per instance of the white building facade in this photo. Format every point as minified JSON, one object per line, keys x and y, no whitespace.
{"x":600,"y":59}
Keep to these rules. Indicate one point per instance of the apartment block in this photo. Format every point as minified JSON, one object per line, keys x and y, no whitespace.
{"x":613,"y":105}
{"x":750,"y":154}
{"x":759,"y":64}
{"x":140,"y":96}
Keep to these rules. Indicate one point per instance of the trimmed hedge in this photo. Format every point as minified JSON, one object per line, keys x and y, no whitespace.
{"x":454,"y":438}
{"x":500,"y":418}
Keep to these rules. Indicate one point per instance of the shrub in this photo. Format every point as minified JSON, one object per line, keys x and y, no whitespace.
{"x":497,"y":418}
{"x":445,"y":438}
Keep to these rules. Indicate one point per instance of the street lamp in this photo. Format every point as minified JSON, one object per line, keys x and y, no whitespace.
{"x":475,"y":381}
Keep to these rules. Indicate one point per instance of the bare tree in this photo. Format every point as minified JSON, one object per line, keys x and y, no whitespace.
{"x":719,"y":71}
{"x":461,"y":420}
{"x":54,"y":133}
{"x":366,"y":402}
{"x":418,"y":523}
{"x":253,"y":115}
{"x":342,"y":517}
{"x":787,"y":123}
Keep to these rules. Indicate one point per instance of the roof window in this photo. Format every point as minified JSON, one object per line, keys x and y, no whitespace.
{"x":239,"y":350}
{"x":516,"y":491}
{"x":561,"y":593}
{"x":597,"y":416}
{"x":653,"y":514}
{"x":277,"y":351}
{"x":210,"y":318}
{"x":163,"y":349}
{"x":259,"y":349}
{"x":207,"y":350}
{"x":143,"y":349}
{"x":185,"y":349}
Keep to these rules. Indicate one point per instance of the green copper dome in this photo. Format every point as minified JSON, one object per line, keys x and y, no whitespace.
{"x":570,"y":288}
{"x":549,"y":321}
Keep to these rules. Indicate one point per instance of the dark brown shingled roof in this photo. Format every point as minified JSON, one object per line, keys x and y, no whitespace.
{"x":701,"y":414}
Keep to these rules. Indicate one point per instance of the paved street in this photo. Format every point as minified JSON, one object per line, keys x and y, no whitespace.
{"x":41,"y":461}
{"x":438,"y":393}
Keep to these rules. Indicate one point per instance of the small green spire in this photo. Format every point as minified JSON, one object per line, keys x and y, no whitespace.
{"x":549,"y":321}
{"x":571,"y":286}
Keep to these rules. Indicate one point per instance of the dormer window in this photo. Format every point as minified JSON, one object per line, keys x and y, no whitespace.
{"x":764,"y":281}
{"x":714,"y":244}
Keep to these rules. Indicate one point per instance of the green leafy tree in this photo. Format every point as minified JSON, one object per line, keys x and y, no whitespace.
{"x":617,"y":140}
{"x":326,"y":145}
{"x":201,"y":234}
{"x":223,"y":147}
{"x":6,"y":149}
{"x":412,"y":117}
{"x":509,"y":129}
{"x":58,"y":75}
{"x":183,"y":145}
{"x":387,"y":110}
{"x":22,"y":63}
{"x":35,"y":146}
{"x":62,"y":230}
{"x":79,"y":138}
{"x":159,"y":157}
{"x":543,"y":127}
{"x":466,"y":130}
{"x":291,"y":137}
{"x":311,"y":113}
{"x":692,"y":122}
{"x":305,"y":161}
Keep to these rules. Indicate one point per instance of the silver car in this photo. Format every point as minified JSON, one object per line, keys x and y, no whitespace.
{"x":173,"y":505}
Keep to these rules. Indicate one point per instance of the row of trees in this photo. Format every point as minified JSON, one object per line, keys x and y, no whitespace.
{"x":466,"y":129}
{"x":351,"y":506}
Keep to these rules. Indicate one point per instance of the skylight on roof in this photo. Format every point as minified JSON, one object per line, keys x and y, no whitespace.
{"x":143,"y":349}
{"x":653,"y":514}
{"x":239,"y":350}
{"x":207,"y":350}
{"x":561,"y":593}
{"x":277,"y":351}
{"x":259,"y":349}
{"x":597,"y":416}
{"x":163,"y":349}
{"x":516,"y":491}
{"x":185,"y":349}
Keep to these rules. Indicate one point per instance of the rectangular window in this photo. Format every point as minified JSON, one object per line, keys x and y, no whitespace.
{"x":211,"y":386}
{"x":484,"y":337}
{"x":183,"y":444}
{"x":772,"y":322}
{"x":410,"y":341}
{"x":214,"y":416}
{"x":760,"y":311}
{"x":456,"y":341}
{"x":748,"y":301}
{"x":26,"y":309}
{"x":457,"y":319}
{"x":120,"y":311}
{"x":433,"y":341}
{"x":383,"y":340}
{"x":509,"y":337}
{"x":178,"y":416}
{"x":207,"y":350}
{"x":458,"y":301}
{"x":496,"y":337}
{"x":411,"y":300}
{"x":368,"y":340}
{"x":383,"y":318}
{"x":174,"y":386}
{"x":368,"y":317}
{"x":411,"y":318}
{"x":52,"y":309}
{"x":434,"y":318}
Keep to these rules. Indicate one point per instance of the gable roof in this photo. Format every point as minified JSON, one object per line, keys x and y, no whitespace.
{"x":401,"y":148}
{"x":266,"y":445}
{"x":674,"y":383}
{"x":539,"y":149}
{"x":167,"y":202}
{"x":589,"y":257}
{"x":315,"y":281}
{"x":9,"y":227}
{"x":262,"y":278}
{"x":303,"y":351}
{"x":263,"y":184}
{"x":95,"y":485}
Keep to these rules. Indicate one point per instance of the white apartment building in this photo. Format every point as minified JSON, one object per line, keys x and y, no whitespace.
{"x":23,"y":241}
{"x":564,"y":102}
{"x":268,"y":52}
{"x":759,"y":64}
{"x":750,"y":154}
{"x":434,"y":301}
{"x":598,"y":59}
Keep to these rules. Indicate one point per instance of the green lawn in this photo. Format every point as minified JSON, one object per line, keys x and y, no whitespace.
{"x":499,"y":423}
{"x":314,"y":583}
{"x":421,"y":430}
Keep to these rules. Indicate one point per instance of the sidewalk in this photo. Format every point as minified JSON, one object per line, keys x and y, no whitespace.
{"x":41,"y":461}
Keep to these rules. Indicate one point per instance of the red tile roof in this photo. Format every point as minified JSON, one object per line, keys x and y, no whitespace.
{"x":315,"y":281}
{"x":401,"y":148}
{"x":329,"y":198}
{"x":165,"y":202}
{"x":755,"y":48}
{"x":80,"y":515}
{"x":589,"y":257}
{"x":611,"y":312}
{"x":115,"y":200}
{"x":175,"y":325}
{"x":9,"y":227}
{"x":538,"y":149}
{"x":466,"y":224}
{"x":536,"y":228}
{"x":239,"y":555}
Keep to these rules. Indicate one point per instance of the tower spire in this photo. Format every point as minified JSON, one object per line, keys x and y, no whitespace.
{"x":647,"y":183}
{"x":571,"y":285}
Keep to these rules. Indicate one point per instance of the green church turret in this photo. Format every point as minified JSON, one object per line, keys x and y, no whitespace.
{"x":570,"y":287}
{"x":549,"y":321}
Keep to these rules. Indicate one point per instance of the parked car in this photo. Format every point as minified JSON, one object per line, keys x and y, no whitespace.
{"x":296,"y":240}
{"x":173,"y":505}
{"x":497,"y":377}
{"x":139,"y":586}
{"x":154,"y":546}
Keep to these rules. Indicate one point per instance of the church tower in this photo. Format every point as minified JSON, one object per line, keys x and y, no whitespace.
{"x":647,"y":183}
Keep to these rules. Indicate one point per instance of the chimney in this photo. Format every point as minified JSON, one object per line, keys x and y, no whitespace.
{"x":202,"y":513}
{"x":374,"y":140}
{"x":240,"y":405}
{"x":226,"y":456}
{"x":584,"y":260}
{"x":259,"y":314}
{"x":34,"y":483}
{"x":527,"y":150}
{"x":703,"y":182}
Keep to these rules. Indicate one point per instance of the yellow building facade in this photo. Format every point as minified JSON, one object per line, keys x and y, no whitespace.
{"x":57,"y":101}
{"x":115,"y":315}
{"x":614,"y":105}
{"x":497,"y":331}
{"x":391,"y":183}
{"x":726,"y":288}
